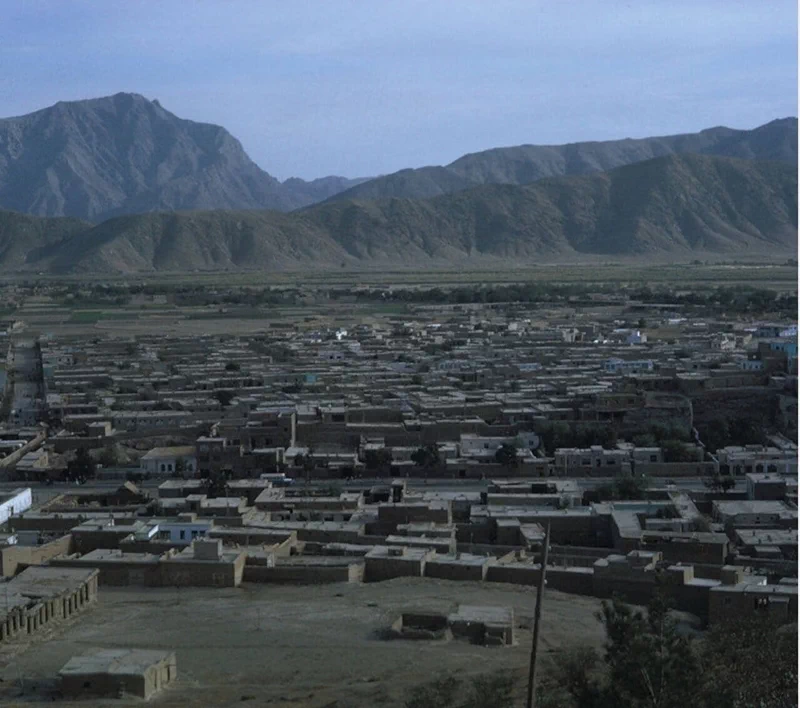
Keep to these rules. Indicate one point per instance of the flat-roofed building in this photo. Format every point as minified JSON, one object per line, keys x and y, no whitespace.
{"x":118,"y":673}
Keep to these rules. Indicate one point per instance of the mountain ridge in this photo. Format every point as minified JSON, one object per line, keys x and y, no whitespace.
{"x":524,"y":164}
{"x":671,"y":208}
{"x":101,"y":157}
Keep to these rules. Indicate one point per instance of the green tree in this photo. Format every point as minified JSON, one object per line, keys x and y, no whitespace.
{"x":306,"y":463}
{"x":224,"y":397}
{"x":647,"y":661}
{"x":180,"y":467}
{"x":232,"y":366}
{"x":607,"y":437}
{"x":491,"y":691}
{"x":676,"y":451}
{"x":717,"y":482}
{"x":427,"y":457}
{"x":629,"y":488}
{"x":215,"y":485}
{"x":81,"y":467}
{"x":108,"y":456}
{"x":440,"y":693}
{"x":715,"y":434}
{"x":506,"y":455}
{"x":378,"y":460}
{"x":746,"y":431}
{"x":749,"y":662}
{"x":644,"y":440}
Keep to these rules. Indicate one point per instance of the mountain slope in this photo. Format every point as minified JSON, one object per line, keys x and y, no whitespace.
{"x":27,"y":240}
{"x":527,"y":163}
{"x":124,"y":154}
{"x":673,"y":208}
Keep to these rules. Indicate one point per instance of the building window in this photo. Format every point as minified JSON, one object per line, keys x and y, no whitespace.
{"x":183,"y":535}
{"x":653,"y":458}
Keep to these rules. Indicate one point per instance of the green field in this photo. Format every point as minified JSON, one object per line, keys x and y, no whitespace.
{"x":777,"y":276}
{"x":92,"y":316}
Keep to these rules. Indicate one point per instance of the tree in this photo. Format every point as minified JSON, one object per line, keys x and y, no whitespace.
{"x":108,"y":456}
{"x":644,"y":440}
{"x":491,"y":691}
{"x":224,"y":397}
{"x":607,"y":437}
{"x":306,"y":463}
{"x":750,"y":662}
{"x":746,"y":431}
{"x":717,"y":482}
{"x":232,"y":366}
{"x":715,"y":434}
{"x":378,"y":460}
{"x":506,"y":455}
{"x":647,"y":662}
{"x":440,"y":693}
{"x":81,"y":467}
{"x":629,"y":488}
{"x":676,"y":451}
{"x":215,"y":484}
{"x":427,"y":457}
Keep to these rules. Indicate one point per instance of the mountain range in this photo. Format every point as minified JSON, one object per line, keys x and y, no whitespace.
{"x":124,"y":154}
{"x":119,"y":184}
{"x":524,"y":164}
{"x":672,"y":208}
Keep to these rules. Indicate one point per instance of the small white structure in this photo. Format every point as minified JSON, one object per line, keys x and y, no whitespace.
{"x":166,"y":460}
{"x":15,"y":503}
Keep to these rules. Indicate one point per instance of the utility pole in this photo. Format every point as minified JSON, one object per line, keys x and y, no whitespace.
{"x":536,"y":620}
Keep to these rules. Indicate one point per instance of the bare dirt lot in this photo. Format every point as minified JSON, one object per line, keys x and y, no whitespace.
{"x":298,"y":646}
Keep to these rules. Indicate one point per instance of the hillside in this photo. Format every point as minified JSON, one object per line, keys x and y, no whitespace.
{"x":524,"y":164}
{"x":124,"y":154}
{"x":673,"y":208}
{"x":27,"y":241}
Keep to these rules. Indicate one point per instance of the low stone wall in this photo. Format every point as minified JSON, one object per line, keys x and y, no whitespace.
{"x":570,"y":580}
{"x":455,"y":571}
{"x":304,"y":574}
{"x":675,"y":469}
{"x":386,"y":568}
{"x":516,"y":573}
{"x":16,"y":558}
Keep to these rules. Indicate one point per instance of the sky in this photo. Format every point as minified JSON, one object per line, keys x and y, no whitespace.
{"x":367,"y":87}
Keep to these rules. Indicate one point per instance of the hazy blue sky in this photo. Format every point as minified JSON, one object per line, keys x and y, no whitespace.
{"x":361,"y":87}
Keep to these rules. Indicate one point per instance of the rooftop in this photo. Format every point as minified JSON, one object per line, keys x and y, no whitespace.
{"x":119,"y":662}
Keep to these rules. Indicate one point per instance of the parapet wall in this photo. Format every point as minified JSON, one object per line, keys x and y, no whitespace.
{"x":16,"y":558}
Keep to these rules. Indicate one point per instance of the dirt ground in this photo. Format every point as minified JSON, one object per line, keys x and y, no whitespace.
{"x":299,"y":646}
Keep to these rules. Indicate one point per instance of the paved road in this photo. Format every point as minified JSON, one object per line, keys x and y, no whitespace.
{"x":25,"y":371}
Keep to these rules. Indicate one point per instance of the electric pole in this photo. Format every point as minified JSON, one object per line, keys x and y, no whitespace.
{"x":536,"y":620}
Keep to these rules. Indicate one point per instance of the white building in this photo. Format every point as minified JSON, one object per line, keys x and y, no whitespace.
{"x":178,"y":531}
{"x":481,"y":446}
{"x":621,"y":366}
{"x":166,"y":460}
{"x":15,"y":503}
